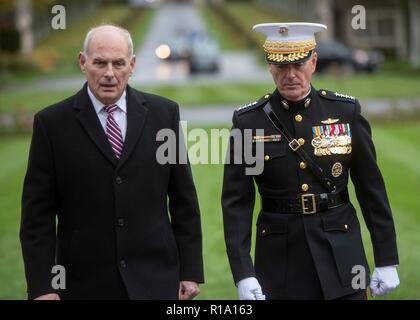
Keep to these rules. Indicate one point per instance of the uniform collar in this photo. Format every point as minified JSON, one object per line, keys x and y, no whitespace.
{"x":295,"y":106}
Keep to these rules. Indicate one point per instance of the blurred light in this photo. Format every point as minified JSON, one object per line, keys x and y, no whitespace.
{"x":163,"y":51}
{"x":360,"y":56}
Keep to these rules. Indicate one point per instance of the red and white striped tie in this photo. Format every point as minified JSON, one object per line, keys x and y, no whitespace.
{"x":113,"y":131}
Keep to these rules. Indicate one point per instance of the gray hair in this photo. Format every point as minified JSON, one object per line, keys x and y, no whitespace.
{"x":123,"y":31}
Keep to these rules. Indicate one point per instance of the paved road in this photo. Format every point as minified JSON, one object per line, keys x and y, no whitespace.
{"x":234,"y":66}
{"x":168,"y":20}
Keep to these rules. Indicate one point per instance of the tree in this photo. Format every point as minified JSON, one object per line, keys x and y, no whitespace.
{"x":24,"y":25}
{"x":414,"y":32}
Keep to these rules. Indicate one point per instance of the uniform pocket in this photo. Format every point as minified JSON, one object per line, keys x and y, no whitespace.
{"x":274,"y":150}
{"x":271,"y":249}
{"x":342,"y":231}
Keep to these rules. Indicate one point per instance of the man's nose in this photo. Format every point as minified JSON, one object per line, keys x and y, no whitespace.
{"x":290,"y":72}
{"x":109,"y":73}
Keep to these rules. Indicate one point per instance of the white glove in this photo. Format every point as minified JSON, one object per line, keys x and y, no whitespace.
{"x":250,"y":289}
{"x":384,"y":280}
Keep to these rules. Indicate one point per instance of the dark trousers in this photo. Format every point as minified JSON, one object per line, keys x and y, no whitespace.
{"x":360,"y":295}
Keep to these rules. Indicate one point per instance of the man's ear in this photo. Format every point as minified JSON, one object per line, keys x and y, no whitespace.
{"x":132,"y":62}
{"x":314,"y":59}
{"x":82,"y":61}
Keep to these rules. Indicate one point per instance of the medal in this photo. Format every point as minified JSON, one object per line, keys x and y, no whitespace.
{"x":332,"y":138}
{"x":336,"y":169}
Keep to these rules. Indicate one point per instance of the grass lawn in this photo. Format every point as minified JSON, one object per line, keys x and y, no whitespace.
{"x":227,"y":37}
{"x":397,"y":149}
{"x":13,"y":161}
{"x":249,"y":14}
{"x":245,"y":14}
{"x":397,"y":152}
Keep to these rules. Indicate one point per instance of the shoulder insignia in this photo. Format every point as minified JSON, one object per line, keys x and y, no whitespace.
{"x":255,"y":104}
{"x":247,"y":105}
{"x":336,"y":96}
{"x":344,"y":96}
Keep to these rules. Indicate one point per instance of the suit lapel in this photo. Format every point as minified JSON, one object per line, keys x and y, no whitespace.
{"x":90,"y":122}
{"x":136,"y":118}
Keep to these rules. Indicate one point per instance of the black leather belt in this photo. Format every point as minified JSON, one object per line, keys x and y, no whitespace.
{"x":308,"y":203}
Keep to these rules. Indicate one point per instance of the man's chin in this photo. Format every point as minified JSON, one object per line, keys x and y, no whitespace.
{"x":108,"y":95}
{"x":292,"y":94}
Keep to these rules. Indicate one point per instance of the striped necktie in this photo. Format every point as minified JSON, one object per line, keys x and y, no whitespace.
{"x":113,"y":131}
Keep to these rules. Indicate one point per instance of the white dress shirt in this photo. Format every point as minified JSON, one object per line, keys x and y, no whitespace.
{"x":120,"y":115}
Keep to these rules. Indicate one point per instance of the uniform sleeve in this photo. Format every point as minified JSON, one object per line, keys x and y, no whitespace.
{"x":38,"y":227}
{"x":371,"y":192}
{"x":238,"y":200}
{"x":185,"y":213}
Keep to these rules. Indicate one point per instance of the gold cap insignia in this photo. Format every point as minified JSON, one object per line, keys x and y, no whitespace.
{"x":289,"y":42}
{"x":283,"y":31}
{"x":330,"y":121}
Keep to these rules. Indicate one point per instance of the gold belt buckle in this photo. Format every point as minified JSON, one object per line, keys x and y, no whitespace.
{"x":304,"y":198}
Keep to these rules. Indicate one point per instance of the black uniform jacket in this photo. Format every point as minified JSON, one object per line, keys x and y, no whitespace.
{"x":309,"y":256}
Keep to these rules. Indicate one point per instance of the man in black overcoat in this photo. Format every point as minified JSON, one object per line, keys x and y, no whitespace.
{"x":97,"y":200}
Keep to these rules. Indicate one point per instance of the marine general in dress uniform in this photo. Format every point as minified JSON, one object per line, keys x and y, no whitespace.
{"x":308,"y":241}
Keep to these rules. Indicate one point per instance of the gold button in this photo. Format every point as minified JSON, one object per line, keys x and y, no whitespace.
{"x":263,"y":231}
{"x":301,"y":141}
{"x":298,"y":118}
{"x":323,"y":92}
{"x":346,"y":226}
{"x":302,"y":165}
{"x":266,"y":96}
{"x":305,"y":187}
{"x":266,"y":157}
